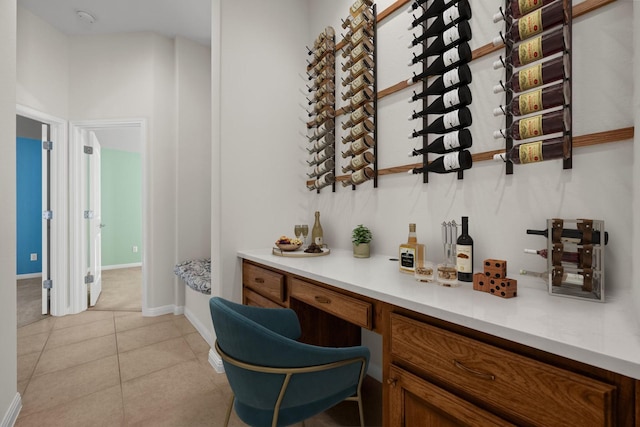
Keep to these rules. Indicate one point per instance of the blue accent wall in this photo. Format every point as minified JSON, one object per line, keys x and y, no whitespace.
{"x":29,"y":204}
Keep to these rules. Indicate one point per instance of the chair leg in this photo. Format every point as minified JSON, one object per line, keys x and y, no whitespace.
{"x":226,"y":421}
{"x":361,"y":410}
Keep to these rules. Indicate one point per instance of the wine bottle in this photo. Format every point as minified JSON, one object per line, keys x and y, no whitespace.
{"x":365,"y":126}
{"x":536,"y":75}
{"x":360,"y":34}
{"x":536,"y":126}
{"x":323,"y":116}
{"x":365,"y":64}
{"x":321,"y":156}
{"x":326,"y":101}
{"x":452,"y":141}
{"x":322,"y":182}
{"x":326,"y":74}
{"x":322,"y":168}
{"x":322,"y":130}
{"x":454,"y":14}
{"x":327,"y":61}
{"x":464,"y":253}
{"x":536,"y":100}
{"x":573,"y":278}
{"x":327,"y":87}
{"x":365,"y":17}
{"x":519,"y":8}
{"x":357,"y":100}
{"x":359,"y":115}
{"x":316,"y":231}
{"x":451,"y":162}
{"x":451,"y":79}
{"x":533,"y":23}
{"x":359,"y":51}
{"x":364,"y":79}
{"x":574,"y":236}
{"x":449,"y":101}
{"x":411,"y":253}
{"x":320,"y":144}
{"x":452,"y":37}
{"x":538,"y":151}
{"x":358,"y":177}
{"x":358,"y":6}
{"x":434,"y":8}
{"x":359,"y":146}
{"x":359,"y":161}
{"x":416,"y":4}
{"x":453,"y":57}
{"x":572,"y":257}
{"x":453,"y":120}
{"x":537,"y":48}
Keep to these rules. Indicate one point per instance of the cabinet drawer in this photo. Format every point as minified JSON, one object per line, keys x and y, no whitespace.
{"x":345,"y":307}
{"x":530,"y":392}
{"x":257,"y":300}
{"x":265,"y":282}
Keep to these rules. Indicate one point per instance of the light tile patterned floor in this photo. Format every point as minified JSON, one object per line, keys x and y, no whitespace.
{"x":113,"y":368}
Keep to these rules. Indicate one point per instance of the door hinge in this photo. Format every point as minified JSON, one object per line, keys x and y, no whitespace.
{"x":47,"y":145}
{"x":88,"y":279}
{"x":88,"y":214}
{"x":48,"y":215}
{"x":88,"y":150}
{"x":47,"y":284}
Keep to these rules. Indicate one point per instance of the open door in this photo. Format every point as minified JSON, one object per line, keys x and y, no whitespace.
{"x":47,"y":217}
{"x":92,"y":230}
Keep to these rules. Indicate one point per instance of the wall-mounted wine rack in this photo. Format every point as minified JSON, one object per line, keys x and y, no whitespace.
{"x":537,"y":52}
{"x":360,"y":89}
{"x":605,"y":137}
{"x":321,"y":126}
{"x":446,"y":76}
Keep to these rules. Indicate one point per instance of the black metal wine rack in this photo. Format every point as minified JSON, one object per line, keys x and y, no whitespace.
{"x":361,"y":88}
{"x":449,"y":39}
{"x":511,"y":49}
{"x":321,"y":124}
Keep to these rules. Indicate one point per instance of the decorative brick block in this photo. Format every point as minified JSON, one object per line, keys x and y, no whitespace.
{"x":505,"y":288}
{"x":495,"y":268}
{"x":480,"y":282}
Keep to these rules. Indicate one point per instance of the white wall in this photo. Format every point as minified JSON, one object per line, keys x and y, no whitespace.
{"x":9,"y":398}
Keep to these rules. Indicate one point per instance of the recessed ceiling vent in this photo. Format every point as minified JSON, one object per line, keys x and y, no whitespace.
{"x":86,"y":16}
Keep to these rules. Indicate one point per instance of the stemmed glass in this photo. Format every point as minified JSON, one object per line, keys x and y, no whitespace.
{"x":298,"y":231}
{"x":304,"y":228}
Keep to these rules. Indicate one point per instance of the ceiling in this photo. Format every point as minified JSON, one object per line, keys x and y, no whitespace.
{"x":186,"y":18}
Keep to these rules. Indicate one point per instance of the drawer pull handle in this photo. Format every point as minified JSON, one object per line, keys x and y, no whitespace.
{"x":480,"y":374}
{"x":259,"y":280}
{"x":323,"y":300}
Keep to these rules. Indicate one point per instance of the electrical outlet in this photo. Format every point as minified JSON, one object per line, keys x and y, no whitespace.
{"x":134,"y":249}
{"x":34,"y":257}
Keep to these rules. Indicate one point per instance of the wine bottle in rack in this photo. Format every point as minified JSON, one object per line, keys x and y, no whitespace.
{"x":416,"y":4}
{"x":320,"y":144}
{"x":327,"y":87}
{"x":537,"y":48}
{"x":322,"y":182}
{"x":326,"y":101}
{"x":570,"y":235}
{"x":533,"y":24}
{"x":364,"y":18}
{"x":327,"y":73}
{"x":452,"y":141}
{"x":434,"y":8}
{"x":358,"y":177}
{"x":359,"y":115}
{"x":536,"y":75}
{"x":359,"y":161}
{"x":359,"y":146}
{"x":453,"y":120}
{"x":358,"y":6}
{"x":538,"y":151}
{"x":324,"y":115}
{"x":365,"y":47}
{"x":536,"y":100}
{"x":454,"y":14}
{"x":451,"y":79}
{"x":364,"y":32}
{"x":358,"y":68}
{"x":322,"y":168}
{"x":365,"y":126}
{"x":536,"y":126}
{"x":576,"y":279}
{"x":452,"y":37}
{"x":326,"y":62}
{"x":320,"y":157}
{"x":357,"y":100}
{"x":453,"y":57}
{"x":451,"y":162}
{"x":518,"y":8}
{"x":449,"y":101}
{"x":365,"y":79}
{"x":322,"y":130}
{"x":572,"y":257}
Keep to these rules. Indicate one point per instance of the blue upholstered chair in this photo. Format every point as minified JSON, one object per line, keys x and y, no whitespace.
{"x":276,"y":380}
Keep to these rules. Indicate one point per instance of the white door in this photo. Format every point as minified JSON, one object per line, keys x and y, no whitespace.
{"x":92,"y":229}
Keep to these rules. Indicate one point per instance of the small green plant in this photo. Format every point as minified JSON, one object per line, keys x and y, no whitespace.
{"x":361,"y":234}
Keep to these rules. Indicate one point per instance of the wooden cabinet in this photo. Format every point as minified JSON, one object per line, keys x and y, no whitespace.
{"x":263,"y":282}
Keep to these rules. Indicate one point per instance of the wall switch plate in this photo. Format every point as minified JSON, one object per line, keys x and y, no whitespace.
{"x":134,"y":249}
{"x":34,"y":257}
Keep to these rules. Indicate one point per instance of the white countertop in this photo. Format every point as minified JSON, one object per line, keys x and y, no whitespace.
{"x":604,"y":335}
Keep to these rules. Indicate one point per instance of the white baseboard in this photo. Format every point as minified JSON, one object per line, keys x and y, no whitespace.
{"x":203,"y":330}
{"x":10,"y":417}
{"x":28,"y":276}
{"x":159,"y":311}
{"x":119,"y":266}
{"x":216,"y":361}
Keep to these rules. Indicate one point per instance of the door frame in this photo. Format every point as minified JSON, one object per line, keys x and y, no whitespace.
{"x":59,"y":295}
{"x":78,"y":289}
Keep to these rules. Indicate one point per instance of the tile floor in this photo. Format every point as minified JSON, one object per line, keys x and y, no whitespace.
{"x":113,"y":368}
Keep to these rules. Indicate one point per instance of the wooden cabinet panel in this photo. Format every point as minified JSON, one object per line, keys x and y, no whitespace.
{"x":345,"y":307}
{"x":415,"y":402}
{"x":520,"y":388}
{"x":265,"y":282}
{"x":254,"y":299}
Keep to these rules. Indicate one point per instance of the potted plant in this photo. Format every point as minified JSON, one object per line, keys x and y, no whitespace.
{"x":360,"y":238}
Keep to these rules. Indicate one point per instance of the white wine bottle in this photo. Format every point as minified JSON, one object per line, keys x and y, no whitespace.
{"x":359,"y":115}
{"x":316,"y":231}
{"x":322,"y":182}
{"x":359,"y":130}
{"x":359,"y":161}
{"x":358,"y":177}
{"x":359,"y":146}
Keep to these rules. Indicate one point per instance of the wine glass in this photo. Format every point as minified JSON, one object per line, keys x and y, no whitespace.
{"x":298,"y":230}
{"x":304,"y":228}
